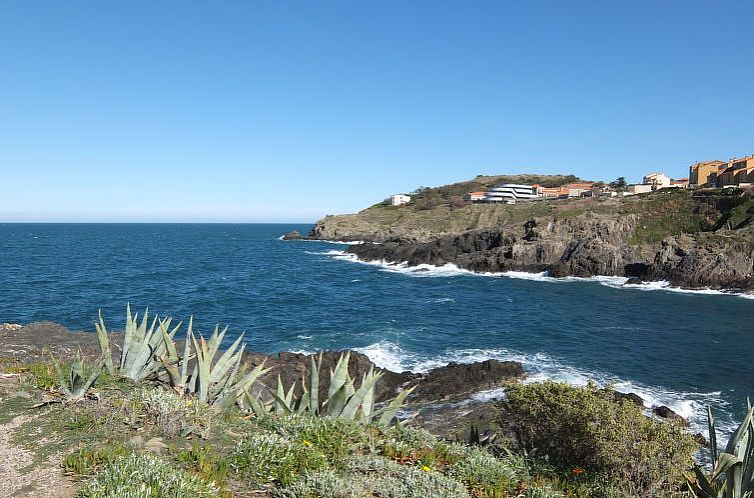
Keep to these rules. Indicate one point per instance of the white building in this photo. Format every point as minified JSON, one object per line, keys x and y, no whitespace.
{"x":639,"y":189}
{"x":510,"y":193}
{"x":659,"y":180}
{"x":399,"y":199}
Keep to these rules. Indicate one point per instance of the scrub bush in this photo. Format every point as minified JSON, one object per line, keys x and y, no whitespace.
{"x":145,"y":476}
{"x":585,"y":430}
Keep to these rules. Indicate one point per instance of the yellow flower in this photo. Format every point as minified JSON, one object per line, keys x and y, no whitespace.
{"x":307,"y":443}
{"x":426,"y":469}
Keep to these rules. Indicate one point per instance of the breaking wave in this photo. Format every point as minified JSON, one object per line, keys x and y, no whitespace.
{"x":451,"y":270}
{"x":541,"y":366}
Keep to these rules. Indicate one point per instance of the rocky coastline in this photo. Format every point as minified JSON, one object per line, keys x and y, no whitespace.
{"x":443,"y":400}
{"x":692,"y":243}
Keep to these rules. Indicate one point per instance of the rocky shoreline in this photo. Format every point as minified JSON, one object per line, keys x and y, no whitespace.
{"x":442,"y":402}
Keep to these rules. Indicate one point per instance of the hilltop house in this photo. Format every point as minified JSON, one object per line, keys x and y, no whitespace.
{"x":399,"y":199}
{"x":736,"y":172}
{"x":658,"y":180}
{"x":510,"y":193}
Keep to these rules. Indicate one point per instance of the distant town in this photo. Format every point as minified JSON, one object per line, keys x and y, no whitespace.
{"x":738,"y":172}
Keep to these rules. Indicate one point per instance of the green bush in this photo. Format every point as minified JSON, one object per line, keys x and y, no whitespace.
{"x":271,"y":458}
{"x":585,"y":429}
{"x":336,"y":438}
{"x":145,"y":476}
{"x":487,"y":475}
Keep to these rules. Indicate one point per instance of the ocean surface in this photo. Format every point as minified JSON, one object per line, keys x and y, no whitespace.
{"x":681,"y":349}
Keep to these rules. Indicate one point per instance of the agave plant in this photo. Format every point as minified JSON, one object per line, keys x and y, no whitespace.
{"x":344,"y":399}
{"x":74,"y":384}
{"x":150,"y":350}
{"x":219,"y":383}
{"x":732,"y":474}
{"x":143,"y":345}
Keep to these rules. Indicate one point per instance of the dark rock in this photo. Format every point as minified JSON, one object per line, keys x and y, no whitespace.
{"x":632,"y":397}
{"x":701,"y":439}
{"x":456,"y":381}
{"x":666,"y":413}
{"x":634,"y":281}
{"x":293,"y":235}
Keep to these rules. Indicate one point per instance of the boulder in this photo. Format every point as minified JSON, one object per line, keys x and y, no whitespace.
{"x":663,"y":411}
{"x":457,"y":381}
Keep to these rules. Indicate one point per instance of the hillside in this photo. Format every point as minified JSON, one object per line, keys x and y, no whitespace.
{"x":691,"y":238}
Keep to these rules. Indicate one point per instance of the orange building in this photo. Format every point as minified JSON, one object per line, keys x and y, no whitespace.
{"x":705,"y":174}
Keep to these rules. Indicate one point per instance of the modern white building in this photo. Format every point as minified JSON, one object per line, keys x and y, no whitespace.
{"x":659,"y":180}
{"x":510,"y":193}
{"x":399,"y":199}
{"x":639,"y":189}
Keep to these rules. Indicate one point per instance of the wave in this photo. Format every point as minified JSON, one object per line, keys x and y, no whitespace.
{"x":341,"y":242}
{"x":541,"y":366}
{"x":451,"y":270}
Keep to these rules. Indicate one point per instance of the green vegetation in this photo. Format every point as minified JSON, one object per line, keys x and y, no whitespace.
{"x":586,"y":432}
{"x":732,"y":474}
{"x":344,"y":399}
{"x":145,"y":475}
{"x":161,"y":436}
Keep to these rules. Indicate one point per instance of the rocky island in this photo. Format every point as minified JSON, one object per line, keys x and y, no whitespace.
{"x":691,"y":238}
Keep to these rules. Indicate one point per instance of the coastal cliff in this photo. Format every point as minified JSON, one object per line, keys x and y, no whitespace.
{"x":692,"y":240}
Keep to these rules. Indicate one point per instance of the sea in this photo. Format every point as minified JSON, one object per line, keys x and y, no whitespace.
{"x":686,"y":350}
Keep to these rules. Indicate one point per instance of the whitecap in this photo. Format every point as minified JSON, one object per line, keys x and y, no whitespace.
{"x":541,"y":366}
{"x":451,"y":270}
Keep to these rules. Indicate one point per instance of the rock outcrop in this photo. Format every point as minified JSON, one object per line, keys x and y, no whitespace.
{"x":584,"y":246}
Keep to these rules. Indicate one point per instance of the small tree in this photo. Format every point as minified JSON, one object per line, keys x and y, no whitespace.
{"x":619,"y":184}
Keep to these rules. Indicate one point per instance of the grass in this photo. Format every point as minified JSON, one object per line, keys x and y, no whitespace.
{"x":101,"y":444}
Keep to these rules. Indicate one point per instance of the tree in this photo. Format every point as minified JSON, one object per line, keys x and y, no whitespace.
{"x":619,"y":184}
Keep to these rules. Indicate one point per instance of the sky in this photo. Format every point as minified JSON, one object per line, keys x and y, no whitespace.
{"x":286,"y":111}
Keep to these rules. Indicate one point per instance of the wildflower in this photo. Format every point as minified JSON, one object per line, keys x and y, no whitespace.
{"x":577,"y":470}
{"x":307,"y":443}
{"x":426,"y":469}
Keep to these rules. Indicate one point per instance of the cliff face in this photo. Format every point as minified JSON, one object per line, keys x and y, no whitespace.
{"x":585,"y":246}
{"x":692,"y":241}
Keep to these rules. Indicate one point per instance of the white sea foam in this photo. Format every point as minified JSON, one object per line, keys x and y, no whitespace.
{"x":451,"y":270}
{"x":340,"y":242}
{"x":540,"y":366}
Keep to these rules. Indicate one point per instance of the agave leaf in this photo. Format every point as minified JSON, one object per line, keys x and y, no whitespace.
{"x":735,"y":438}
{"x":247,"y":381}
{"x":280,"y":403}
{"x":104,"y":343}
{"x":392,"y":408}
{"x":335,"y":403}
{"x":367,"y":405}
{"x":170,"y":359}
{"x":703,"y":483}
{"x":314,"y":384}
{"x":225,"y":364}
{"x":256,"y":405}
{"x":203,"y":368}
{"x":60,"y":375}
{"x":279,"y":394}
{"x":712,"y":435}
{"x":302,"y":403}
{"x":355,"y":401}
{"x":339,"y":377}
{"x":187,"y":353}
{"x":289,"y":395}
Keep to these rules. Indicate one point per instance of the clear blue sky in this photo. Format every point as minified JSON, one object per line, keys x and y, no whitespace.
{"x":286,"y":111}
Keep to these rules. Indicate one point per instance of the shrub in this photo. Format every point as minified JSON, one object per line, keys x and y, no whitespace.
{"x":335,"y":438}
{"x":484,"y":473}
{"x":272,"y":458}
{"x":85,"y":461}
{"x":586,"y":428}
{"x":145,"y":476}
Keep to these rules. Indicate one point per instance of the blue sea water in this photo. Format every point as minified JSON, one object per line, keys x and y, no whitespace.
{"x":684,"y":350}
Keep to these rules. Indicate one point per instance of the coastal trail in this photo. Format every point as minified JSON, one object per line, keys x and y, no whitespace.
{"x":22,"y":476}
